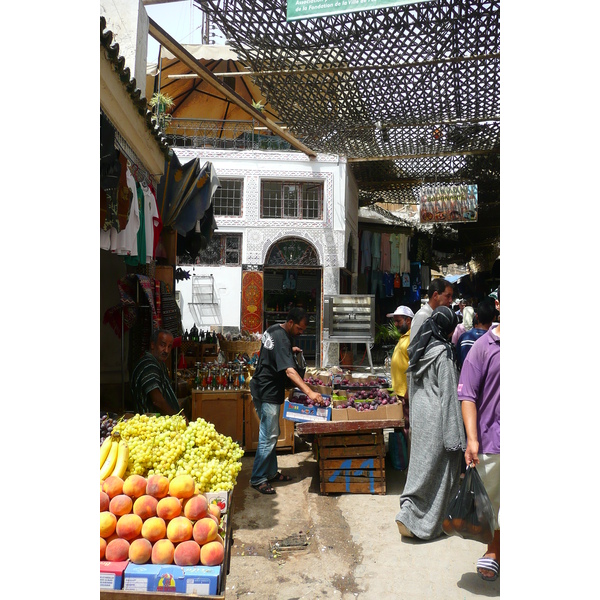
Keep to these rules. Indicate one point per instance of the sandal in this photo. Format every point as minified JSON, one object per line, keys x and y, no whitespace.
{"x":404,"y":530}
{"x":279,"y":477}
{"x":488,"y":564}
{"x":264,"y":488}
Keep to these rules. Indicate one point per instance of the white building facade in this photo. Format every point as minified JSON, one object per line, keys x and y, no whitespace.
{"x":330,"y":233}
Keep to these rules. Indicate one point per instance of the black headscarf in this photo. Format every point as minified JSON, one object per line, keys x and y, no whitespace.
{"x":434,"y":332}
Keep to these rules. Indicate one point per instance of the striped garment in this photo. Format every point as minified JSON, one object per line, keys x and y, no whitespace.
{"x":465,"y":343}
{"x":149,"y":374}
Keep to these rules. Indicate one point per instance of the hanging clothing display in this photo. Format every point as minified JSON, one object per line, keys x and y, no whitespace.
{"x":403,"y":249}
{"x":151,"y":221}
{"x":128,"y":304}
{"x":395,"y":253}
{"x":375,"y":250}
{"x":388,"y":284}
{"x":115,"y":201}
{"x":365,"y":250}
{"x":148,"y":217}
{"x":385,"y":252}
{"x":124,"y":242}
{"x":139,"y":258}
{"x":138,"y":240}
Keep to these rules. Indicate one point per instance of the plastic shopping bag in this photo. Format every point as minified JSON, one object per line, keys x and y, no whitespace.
{"x":470,"y":513}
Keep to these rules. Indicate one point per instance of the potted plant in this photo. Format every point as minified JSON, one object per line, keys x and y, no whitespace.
{"x":162,"y":104}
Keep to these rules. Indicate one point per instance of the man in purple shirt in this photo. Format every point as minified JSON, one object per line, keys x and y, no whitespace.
{"x":479,"y":394}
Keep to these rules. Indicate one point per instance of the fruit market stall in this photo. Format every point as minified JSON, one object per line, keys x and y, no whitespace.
{"x":165,"y":507}
{"x":347,"y":426}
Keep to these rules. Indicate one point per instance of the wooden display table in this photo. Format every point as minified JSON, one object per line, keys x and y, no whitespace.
{"x":223,"y":408}
{"x":351,"y":454}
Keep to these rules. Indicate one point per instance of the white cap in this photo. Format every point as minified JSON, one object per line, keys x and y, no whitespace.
{"x":403,"y":311}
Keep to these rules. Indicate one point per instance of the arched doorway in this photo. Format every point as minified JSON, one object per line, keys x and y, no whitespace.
{"x":293,"y":277}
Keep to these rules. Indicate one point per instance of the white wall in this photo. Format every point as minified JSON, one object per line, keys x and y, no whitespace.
{"x":128,"y":21}
{"x":228,"y":286}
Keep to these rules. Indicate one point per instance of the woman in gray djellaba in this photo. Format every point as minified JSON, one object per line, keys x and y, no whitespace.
{"x":438,"y":435}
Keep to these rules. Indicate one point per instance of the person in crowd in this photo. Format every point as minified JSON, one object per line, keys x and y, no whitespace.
{"x":466,"y":324}
{"x":438,"y":436}
{"x":460,"y":307}
{"x":479,"y":394}
{"x":403,"y":317}
{"x":483,"y":321}
{"x":150,"y":382}
{"x":440,"y":294}
{"x":275,"y":371}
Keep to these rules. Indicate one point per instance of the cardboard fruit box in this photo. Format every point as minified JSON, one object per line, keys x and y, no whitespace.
{"x":111,"y":574}
{"x":389,"y":412}
{"x":293,"y":411}
{"x":154,"y":578}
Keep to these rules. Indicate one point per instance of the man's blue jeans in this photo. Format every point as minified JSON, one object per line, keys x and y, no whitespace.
{"x":265,"y":460}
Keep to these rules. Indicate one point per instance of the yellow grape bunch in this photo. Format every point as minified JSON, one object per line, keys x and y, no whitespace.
{"x":165,"y":445}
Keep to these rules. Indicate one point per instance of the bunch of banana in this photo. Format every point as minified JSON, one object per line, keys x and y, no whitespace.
{"x":114,"y":456}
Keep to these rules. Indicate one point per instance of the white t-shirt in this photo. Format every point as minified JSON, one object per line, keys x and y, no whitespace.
{"x":150,"y":220}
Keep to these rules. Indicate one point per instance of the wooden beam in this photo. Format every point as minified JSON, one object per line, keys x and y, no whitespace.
{"x":163,"y":38}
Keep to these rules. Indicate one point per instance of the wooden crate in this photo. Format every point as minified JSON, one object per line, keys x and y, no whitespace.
{"x":352,"y":462}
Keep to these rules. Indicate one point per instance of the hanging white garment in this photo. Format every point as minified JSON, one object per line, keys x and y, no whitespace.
{"x":125,"y":241}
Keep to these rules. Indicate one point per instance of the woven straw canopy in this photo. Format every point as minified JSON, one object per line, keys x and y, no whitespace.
{"x":409,"y":94}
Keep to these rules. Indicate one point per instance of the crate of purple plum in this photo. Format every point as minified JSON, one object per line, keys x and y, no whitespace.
{"x":319,"y":383}
{"x":368,"y":403}
{"x":351,"y":397}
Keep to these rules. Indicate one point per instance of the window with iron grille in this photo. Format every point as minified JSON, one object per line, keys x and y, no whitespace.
{"x":223,"y":249}
{"x":227,"y":200}
{"x":291,"y":200}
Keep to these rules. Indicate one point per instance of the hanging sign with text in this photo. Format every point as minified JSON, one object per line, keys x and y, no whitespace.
{"x":308,"y":9}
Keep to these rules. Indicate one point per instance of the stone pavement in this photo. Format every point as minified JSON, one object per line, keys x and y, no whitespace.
{"x":353,"y":549}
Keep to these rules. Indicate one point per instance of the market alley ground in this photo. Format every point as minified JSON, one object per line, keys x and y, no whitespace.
{"x":301,"y":545}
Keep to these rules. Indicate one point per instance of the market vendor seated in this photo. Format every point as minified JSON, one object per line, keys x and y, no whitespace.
{"x":150,"y":382}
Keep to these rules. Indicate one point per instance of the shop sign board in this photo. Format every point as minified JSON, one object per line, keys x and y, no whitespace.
{"x":449,"y":204}
{"x":309,"y":9}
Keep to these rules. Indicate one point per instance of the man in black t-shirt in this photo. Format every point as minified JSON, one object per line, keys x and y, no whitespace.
{"x":275,"y":371}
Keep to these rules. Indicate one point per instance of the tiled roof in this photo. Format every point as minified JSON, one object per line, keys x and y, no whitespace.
{"x":111,"y":51}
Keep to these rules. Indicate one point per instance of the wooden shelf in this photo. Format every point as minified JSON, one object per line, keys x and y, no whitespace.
{"x":223,"y":408}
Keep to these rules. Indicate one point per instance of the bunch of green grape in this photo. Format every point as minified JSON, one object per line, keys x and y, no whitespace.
{"x":165,"y":445}
{"x":155,"y":442}
{"x":212,"y":459}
